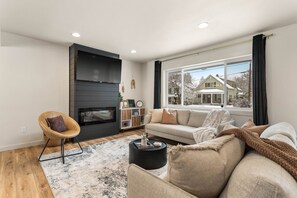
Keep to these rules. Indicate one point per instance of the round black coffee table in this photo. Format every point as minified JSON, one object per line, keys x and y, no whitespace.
{"x":148,"y":158}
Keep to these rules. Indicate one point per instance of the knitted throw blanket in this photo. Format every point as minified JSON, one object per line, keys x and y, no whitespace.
{"x":215,"y":117}
{"x":279,"y":152}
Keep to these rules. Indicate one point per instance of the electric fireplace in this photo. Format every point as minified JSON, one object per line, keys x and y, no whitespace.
{"x":96,"y":115}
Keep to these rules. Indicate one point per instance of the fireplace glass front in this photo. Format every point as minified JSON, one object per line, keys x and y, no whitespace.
{"x":98,"y":115}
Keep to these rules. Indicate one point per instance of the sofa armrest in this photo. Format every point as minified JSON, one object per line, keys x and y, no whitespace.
{"x":142,"y":184}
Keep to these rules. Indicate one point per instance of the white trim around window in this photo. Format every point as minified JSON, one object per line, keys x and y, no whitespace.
{"x":183,"y":69}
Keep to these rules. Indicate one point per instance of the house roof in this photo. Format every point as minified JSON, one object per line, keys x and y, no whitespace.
{"x":222,"y":81}
{"x":218,"y":79}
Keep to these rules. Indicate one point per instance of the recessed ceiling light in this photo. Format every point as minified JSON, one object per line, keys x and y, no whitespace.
{"x":203,"y":25}
{"x":133,"y":51}
{"x":75,"y":34}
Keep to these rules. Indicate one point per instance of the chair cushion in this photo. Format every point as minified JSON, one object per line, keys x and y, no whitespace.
{"x":169,"y":117}
{"x":204,"y":169}
{"x":57,"y":123}
{"x":157,"y":115}
{"x":177,"y":130}
{"x":197,"y":118}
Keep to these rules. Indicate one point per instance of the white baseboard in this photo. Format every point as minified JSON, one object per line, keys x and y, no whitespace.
{"x":22,"y":145}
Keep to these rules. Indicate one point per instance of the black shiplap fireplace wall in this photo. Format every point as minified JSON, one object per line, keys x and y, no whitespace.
{"x":83,"y":94}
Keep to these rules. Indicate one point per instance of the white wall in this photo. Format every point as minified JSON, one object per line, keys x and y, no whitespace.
{"x":148,"y":84}
{"x":131,"y":70}
{"x":281,"y":60}
{"x":33,"y":79}
{"x":281,"y":50}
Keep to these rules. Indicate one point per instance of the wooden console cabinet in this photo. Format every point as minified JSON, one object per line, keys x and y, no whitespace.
{"x":132,"y":118}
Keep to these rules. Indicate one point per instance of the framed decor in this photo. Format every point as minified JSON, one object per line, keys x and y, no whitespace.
{"x":131,"y":102}
{"x":139,"y":103}
{"x":125,"y":104}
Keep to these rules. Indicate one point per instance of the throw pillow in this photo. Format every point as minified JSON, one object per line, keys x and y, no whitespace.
{"x":204,"y":169}
{"x":57,"y":123}
{"x":197,"y":118}
{"x":282,"y":131}
{"x":223,"y":124}
{"x":183,"y":116}
{"x":157,"y":115}
{"x":258,"y":129}
{"x":229,"y":126}
{"x":169,"y":117}
{"x":250,"y":125}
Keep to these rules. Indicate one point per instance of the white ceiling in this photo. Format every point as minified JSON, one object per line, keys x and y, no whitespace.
{"x":155,"y":28}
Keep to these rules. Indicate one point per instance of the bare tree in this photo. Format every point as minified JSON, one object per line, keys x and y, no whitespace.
{"x":243,"y":82}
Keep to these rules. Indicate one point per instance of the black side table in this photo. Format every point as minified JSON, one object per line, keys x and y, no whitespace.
{"x":148,"y":158}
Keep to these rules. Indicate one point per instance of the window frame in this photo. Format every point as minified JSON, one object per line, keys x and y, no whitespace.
{"x":183,"y":69}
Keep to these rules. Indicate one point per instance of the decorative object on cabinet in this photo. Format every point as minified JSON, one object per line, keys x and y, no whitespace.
{"x":131,"y":102}
{"x":125,"y":104}
{"x":139,"y":103}
{"x":132,"y":118}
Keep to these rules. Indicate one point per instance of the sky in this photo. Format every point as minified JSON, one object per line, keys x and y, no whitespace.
{"x":233,"y":70}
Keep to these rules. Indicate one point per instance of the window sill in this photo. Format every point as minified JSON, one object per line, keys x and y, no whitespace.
{"x":232,"y":110}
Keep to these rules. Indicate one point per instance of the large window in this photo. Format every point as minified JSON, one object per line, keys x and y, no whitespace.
{"x":225,"y":83}
{"x":174,"y":88}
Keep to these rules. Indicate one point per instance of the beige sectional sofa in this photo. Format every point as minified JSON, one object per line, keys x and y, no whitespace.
{"x":188,"y":122}
{"x":231,"y":173}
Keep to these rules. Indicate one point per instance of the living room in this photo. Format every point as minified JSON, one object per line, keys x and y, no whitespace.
{"x":34,"y":62}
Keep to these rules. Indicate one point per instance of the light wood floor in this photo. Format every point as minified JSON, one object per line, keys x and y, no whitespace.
{"x":21,"y":174}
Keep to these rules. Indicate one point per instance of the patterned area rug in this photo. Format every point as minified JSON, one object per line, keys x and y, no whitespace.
{"x":101,"y":171}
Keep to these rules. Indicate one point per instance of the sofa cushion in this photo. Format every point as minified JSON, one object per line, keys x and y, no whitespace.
{"x":282,"y":128}
{"x":183,"y":116}
{"x":177,"y":130}
{"x":157,"y":115}
{"x":197,"y":118}
{"x":257,"y":176}
{"x":203,"y":169}
{"x":169,"y":117}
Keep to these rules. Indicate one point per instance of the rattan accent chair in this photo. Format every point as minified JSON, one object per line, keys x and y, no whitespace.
{"x":73,"y":130}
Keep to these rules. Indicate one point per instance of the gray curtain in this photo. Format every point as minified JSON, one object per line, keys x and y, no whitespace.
{"x":260,"y":114}
{"x":157,"y":85}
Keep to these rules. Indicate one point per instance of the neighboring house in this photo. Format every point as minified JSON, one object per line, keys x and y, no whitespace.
{"x":211,"y":91}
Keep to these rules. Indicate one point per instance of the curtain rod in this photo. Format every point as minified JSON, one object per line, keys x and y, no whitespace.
{"x":215,"y":48}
